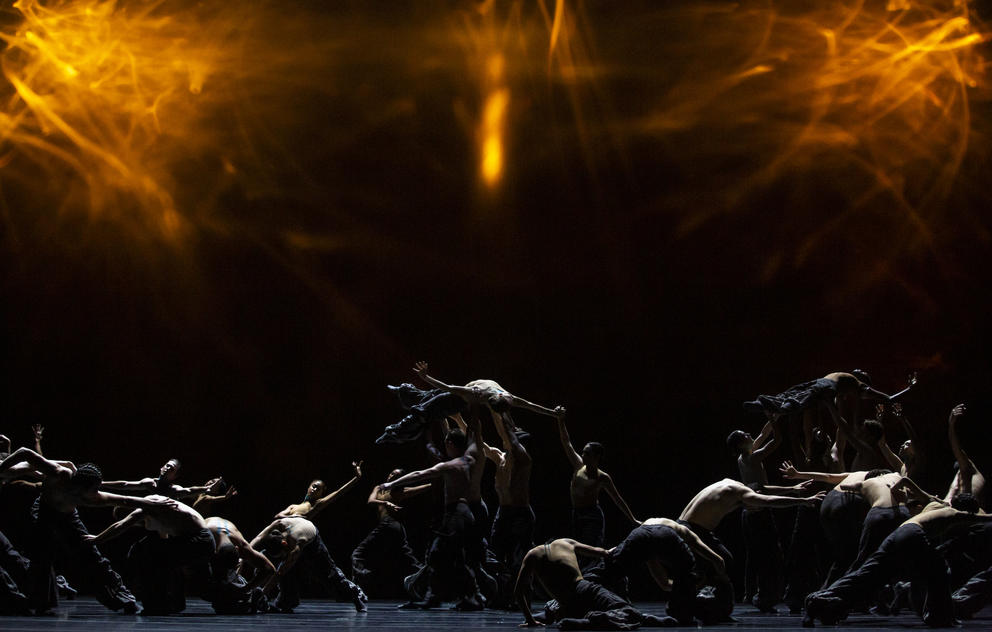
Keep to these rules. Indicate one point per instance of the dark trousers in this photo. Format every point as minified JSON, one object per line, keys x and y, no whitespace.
{"x":662,"y":544}
{"x":803,"y":568}
{"x":714,"y":603}
{"x":907,"y":552}
{"x":446,"y":556}
{"x":13,"y":577}
{"x":56,"y":533}
{"x":315,"y":561}
{"x":592,"y":607}
{"x":974,"y":595}
{"x":763,"y":563}
{"x":842,"y":514}
{"x":158,"y":564}
{"x":879,"y":523}
{"x":381,"y":561}
{"x":589,"y":525}
{"x":512,"y":536}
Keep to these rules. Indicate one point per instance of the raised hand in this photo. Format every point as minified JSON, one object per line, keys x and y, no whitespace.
{"x":420,"y":367}
{"x":816,"y":498}
{"x":803,"y":486}
{"x":559,"y":412}
{"x":911,"y":381}
{"x":897,"y":409}
{"x":38,"y":430}
{"x":358,"y":468}
{"x":787,"y":470}
{"x":956,"y":413}
{"x":879,"y":411}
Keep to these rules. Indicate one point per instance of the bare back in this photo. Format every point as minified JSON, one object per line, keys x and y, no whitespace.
{"x":556,"y":566}
{"x":712,"y":503}
{"x":878,"y":490}
{"x":457,"y":480}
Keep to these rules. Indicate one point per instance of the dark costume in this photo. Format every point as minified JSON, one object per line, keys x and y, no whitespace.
{"x":425,"y":408}
{"x":842,"y":515}
{"x":159,"y":563}
{"x":13,"y":576}
{"x":512,"y":536}
{"x":315,"y":561}
{"x":795,"y":399}
{"x":381,"y":561}
{"x":55,"y":533}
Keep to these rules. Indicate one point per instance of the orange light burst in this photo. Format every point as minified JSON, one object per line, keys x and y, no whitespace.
{"x":869,"y":91}
{"x":105,"y":101}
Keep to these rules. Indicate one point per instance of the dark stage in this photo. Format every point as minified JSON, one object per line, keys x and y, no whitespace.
{"x":85,"y":614}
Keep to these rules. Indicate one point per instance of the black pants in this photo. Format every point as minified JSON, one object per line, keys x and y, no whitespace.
{"x":315,"y":561}
{"x":763,"y":563}
{"x":805,"y":556}
{"x":446,"y":555}
{"x":158,"y":564}
{"x":907,"y":552}
{"x":714,"y":603}
{"x":381,"y":561}
{"x":56,"y":533}
{"x":842,"y":515}
{"x":879,"y":523}
{"x":13,"y":577}
{"x":662,"y":544}
{"x":512,"y":536}
{"x":974,"y":595}
{"x":592,"y":607}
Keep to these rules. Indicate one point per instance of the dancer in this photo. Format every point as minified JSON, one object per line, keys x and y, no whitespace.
{"x":909,"y":551}
{"x":295,"y":542}
{"x":483,"y":392}
{"x":228,"y":591}
{"x":381,"y":561}
{"x":584,"y":604}
{"x":313,"y":503}
{"x":588,"y":522}
{"x":968,"y":479}
{"x":180,"y":539}
{"x":163,"y":485}
{"x":56,"y":523}
{"x":446,"y":557}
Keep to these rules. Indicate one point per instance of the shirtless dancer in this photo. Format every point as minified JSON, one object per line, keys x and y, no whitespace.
{"x":842,"y":515}
{"x":513,"y":528}
{"x":179,"y":539}
{"x":705,"y":511}
{"x":314,"y":503}
{"x":483,"y":392}
{"x":968,"y":479}
{"x":909,"y":550}
{"x":555,"y":565}
{"x":588,"y":522}
{"x":229,"y":592}
{"x":446,"y":556}
{"x":295,"y":542}
{"x":670,"y":551}
{"x":56,"y":520}
{"x":164,"y":484}
{"x":381,"y":561}
{"x":763,"y":565}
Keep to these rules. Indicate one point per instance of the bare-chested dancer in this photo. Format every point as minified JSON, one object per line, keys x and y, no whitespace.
{"x":556,"y":567}
{"x":314,"y":502}
{"x":446,"y":557}
{"x":763,"y":566}
{"x":229,"y":592}
{"x":483,"y":392}
{"x":588,"y":522}
{"x":295,"y":542}
{"x":670,"y":551}
{"x":968,"y":479}
{"x":513,"y":528}
{"x":179,"y":539}
{"x":849,"y":388}
{"x":707,"y":508}
{"x":56,"y":520}
{"x":217,"y":491}
{"x":381,"y":561}
{"x":886,"y":511}
{"x":163,"y":485}
{"x":910,"y":550}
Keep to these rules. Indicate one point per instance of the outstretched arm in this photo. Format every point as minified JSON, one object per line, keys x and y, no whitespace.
{"x":760,"y":501}
{"x":322,"y":503}
{"x":117,"y":528}
{"x":612,"y":492}
{"x":844,"y":428}
{"x":920,"y":453}
{"x":763,"y":448}
{"x":375,"y":500}
{"x":510,"y":441}
{"x":566,"y":443}
{"x":143,"y":485}
{"x":520,"y":402}
{"x":788,"y":471}
{"x":912,"y":489}
{"x":43,"y":466}
{"x":420,"y":368}
{"x":420,"y":476}
{"x":488,"y":451}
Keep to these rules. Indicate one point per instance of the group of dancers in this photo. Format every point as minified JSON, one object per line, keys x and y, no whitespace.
{"x":889,"y":544}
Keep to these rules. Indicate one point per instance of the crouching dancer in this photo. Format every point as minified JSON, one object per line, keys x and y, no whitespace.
{"x":229,"y":592}
{"x":56,"y":524}
{"x":584,"y":604}
{"x":179,"y":539}
{"x":296,"y":543}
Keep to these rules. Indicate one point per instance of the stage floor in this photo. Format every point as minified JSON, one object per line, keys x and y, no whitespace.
{"x":87,"y":614}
